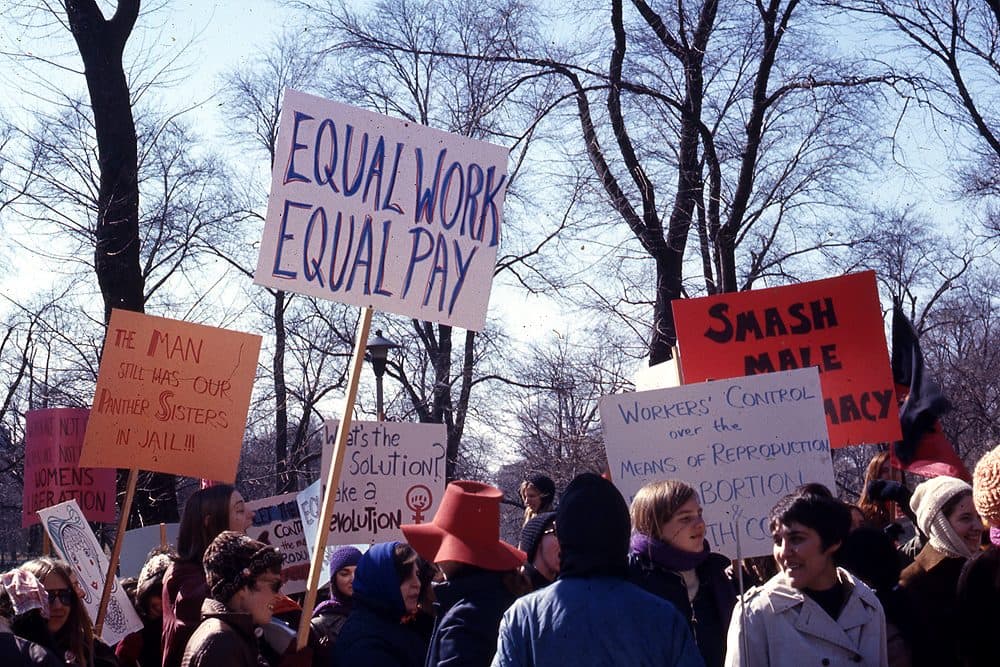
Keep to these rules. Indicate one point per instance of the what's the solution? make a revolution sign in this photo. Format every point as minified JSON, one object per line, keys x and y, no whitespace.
{"x":833,"y":324}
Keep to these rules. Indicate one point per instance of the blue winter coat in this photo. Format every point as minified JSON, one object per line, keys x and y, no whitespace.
{"x":469,"y":608}
{"x":374,"y":635}
{"x":597,"y":621}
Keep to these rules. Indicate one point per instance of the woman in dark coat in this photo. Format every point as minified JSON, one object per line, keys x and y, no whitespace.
{"x":329,"y":617}
{"x":243,"y":578}
{"x":480,"y":570}
{"x":670,"y":558}
{"x":386,"y":594}
{"x":946,"y":514}
{"x":207,"y":513}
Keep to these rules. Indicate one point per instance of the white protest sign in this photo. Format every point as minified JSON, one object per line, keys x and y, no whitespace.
{"x":276,"y":521}
{"x":375,"y":211}
{"x":741,"y":443}
{"x":75,"y":543}
{"x":394,"y":473}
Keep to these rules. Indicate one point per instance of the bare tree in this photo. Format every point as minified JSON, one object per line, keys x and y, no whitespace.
{"x":314,"y":335}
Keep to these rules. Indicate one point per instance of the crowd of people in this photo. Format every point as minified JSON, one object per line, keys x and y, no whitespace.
{"x":898,"y":579}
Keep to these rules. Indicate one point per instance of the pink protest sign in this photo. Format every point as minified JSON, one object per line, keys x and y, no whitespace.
{"x":52,"y":443}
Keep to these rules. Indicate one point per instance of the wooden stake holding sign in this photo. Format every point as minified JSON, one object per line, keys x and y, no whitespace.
{"x":116,"y":550}
{"x":318,"y":562}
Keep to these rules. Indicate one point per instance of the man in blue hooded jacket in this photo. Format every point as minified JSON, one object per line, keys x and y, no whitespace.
{"x":591,"y":615}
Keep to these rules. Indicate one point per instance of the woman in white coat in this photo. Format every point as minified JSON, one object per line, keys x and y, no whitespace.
{"x":811,"y":612}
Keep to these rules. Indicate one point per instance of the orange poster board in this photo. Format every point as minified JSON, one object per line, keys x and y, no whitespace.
{"x":171,"y":397}
{"x":833,"y":324}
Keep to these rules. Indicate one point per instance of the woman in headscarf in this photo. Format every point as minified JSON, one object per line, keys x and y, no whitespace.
{"x":386,"y":594}
{"x":947,"y":516}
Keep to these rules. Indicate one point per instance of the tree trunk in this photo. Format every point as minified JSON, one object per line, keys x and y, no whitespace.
{"x":116,"y":255}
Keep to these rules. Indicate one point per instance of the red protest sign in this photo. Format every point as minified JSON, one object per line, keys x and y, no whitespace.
{"x":171,"y":397}
{"x":833,"y":324}
{"x":53,"y":439}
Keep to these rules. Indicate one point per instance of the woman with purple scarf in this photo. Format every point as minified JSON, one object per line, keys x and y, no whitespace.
{"x":329,"y":617}
{"x":670,"y":558}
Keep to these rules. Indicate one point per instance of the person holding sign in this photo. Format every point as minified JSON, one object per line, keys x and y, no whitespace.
{"x":811,"y":608}
{"x":243,"y":578}
{"x":386,"y":590}
{"x":207,"y":513}
{"x":72,"y":634}
{"x":670,"y":558}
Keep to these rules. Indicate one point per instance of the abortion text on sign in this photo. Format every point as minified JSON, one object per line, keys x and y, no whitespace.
{"x":742,"y":444}
{"x":171,"y":397}
{"x":834,"y":325}
{"x":394,"y":473}
{"x":374,"y":211}
{"x":53,"y":439}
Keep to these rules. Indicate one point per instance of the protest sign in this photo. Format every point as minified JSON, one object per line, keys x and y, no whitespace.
{"x":374,"y":211}
{"x":742,"y":444}
{"x":834,"y":325}
{"x":139,"y":542}
{"x":53,"y":438}
{"x":171,"y":397}
{"x":394,"y":473}
{"x":74,"y":542}
{"x":276,"y":521}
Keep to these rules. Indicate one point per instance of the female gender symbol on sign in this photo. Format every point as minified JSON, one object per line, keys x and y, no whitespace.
{"x":419,"y":499}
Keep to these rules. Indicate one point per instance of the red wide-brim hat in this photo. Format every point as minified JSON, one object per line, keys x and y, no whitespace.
{"x":466,"y":529}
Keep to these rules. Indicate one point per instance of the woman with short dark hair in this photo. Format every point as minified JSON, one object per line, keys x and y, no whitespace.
{"x":811,"y":608}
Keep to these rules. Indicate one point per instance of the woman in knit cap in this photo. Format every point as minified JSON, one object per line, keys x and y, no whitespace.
{"x":946,"y":514}
{"x":386,"y":595}
{"x":243,"y":578}
{"x":330,"y":616}
{"x":978,"y":598}
{"x":670,"y":557}
{"x":480,"y":571}
{"x":142,"y":648}
{"x":538,"y":493}
{"x":541,"y":546}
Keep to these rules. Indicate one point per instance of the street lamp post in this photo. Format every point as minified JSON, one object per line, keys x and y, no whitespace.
{"x":378,"y":352}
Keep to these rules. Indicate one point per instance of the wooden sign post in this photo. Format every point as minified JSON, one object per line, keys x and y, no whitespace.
{"x":329,"y":494}
{"x":116,"y":550}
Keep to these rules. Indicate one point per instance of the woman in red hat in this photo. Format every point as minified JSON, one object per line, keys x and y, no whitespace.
{"x":480,"y":571}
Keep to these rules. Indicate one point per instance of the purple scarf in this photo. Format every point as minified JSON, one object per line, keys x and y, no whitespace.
{"x":667,"y":556}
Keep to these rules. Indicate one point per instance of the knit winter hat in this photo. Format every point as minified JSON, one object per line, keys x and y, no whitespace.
{"x":233,"y":560}
{"x":544,"y":484}
{"x":986,"y":486}
{"x":927,"y":500}
{"x":343,"y":557}
{"x":150,"y":580}
{"x":593,"y":527}
{"x":531,"y":534}
{"x":25,"y":592}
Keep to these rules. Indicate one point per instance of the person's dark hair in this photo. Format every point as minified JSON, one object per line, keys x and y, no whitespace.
{"x":403,"y":558}
{"x":822,"y":512}
{"x":869,"y":554}
{"x":949,"y":507}
{"x":206,"y":514}
{"x":77,"y":635}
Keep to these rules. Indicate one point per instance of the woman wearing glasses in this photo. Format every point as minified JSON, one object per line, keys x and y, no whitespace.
{"x":70,"y":627}
{"x":244,"y":579}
